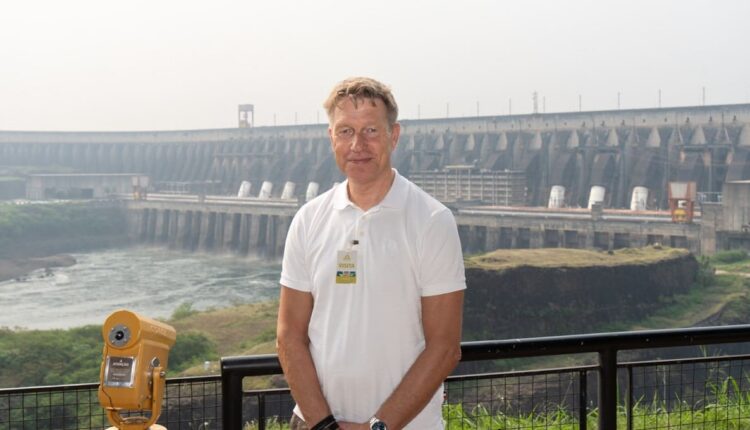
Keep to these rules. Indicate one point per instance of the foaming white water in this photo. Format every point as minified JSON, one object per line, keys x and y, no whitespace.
{"x":150,"y":281}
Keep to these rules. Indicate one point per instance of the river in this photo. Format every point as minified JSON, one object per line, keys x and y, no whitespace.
{"x":150,"y":281}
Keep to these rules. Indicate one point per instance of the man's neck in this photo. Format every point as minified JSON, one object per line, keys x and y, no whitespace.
{"x":366,"y":196}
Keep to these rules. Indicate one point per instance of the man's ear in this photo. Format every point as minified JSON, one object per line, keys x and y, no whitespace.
{"x":395,"y":133}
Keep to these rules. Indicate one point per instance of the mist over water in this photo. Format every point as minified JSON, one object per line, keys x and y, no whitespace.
{"x":150,"y":281}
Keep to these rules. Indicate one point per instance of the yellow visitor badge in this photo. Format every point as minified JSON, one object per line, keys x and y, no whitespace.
{"x":346,"y":267}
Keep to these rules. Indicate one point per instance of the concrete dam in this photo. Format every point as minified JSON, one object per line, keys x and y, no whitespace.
{"x":617,"y":160}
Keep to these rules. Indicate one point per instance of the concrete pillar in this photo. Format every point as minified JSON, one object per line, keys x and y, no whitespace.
{"x":184,"y":223}
{"x":134,"y":228}
{"x":695,"y":246}
{"x":153,"y":216}
{"x":463,"y":235}
{"x":258,"y":234}
{"x":161,"y":219}
{"x":536,"y":238}
{"x":195,"y":229}
{"x":492,"y":241}
{"x":231,"y":231}
{"x":174,"y":228}
{"x":219,"y":231}
{"x":589,"y":241}
{"x":282,"y":229}
{"x":271,"y":235}
{"x":206,"y":237}
{"x":480,"y":239}
{"x":244,"y":236}
{"x":638,"y":240}
{"x":712,"y":214}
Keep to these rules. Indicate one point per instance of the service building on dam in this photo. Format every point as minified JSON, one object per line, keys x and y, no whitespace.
{"x":677,"y":176}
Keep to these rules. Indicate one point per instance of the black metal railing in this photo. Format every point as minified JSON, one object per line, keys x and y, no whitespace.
{"x":606,"y":394}
{"x":605,"y":345}
{"x":189,"y":403}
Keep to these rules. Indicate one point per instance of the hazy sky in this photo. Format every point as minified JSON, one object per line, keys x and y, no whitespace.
{"x":161,"y":65}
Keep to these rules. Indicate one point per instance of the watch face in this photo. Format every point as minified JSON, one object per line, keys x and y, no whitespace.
{"x":378,"y":425}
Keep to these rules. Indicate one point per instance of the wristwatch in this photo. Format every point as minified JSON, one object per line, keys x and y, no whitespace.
{"x":376,"y":424}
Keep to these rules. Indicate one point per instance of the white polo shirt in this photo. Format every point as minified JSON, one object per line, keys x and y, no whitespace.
{"x":366,"y":334}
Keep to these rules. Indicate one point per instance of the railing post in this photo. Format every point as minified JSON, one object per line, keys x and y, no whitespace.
{"x":608,"y":389}
{"x":583,"y":399}
{"x":231,"y":393}
{"x":630,"y":398}
{"x":261,"y":411}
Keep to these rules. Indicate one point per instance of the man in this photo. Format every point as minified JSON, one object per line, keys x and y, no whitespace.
{"x":371,"y":285}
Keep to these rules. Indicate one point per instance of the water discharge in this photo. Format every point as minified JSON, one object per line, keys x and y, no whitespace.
{"x":150,"y":281}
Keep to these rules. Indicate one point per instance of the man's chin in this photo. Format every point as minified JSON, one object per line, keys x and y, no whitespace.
{"x":360,"y":175}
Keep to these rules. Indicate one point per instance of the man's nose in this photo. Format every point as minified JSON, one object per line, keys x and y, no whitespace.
{"x":357,"y":142}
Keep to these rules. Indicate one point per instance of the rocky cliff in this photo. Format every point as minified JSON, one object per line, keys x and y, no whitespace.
{"x":530,"y":293}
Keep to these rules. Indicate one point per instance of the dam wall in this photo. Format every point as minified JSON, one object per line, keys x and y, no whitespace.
{"x":259,"y":226}
{"x":211,"y":227}
{"x":566,"y":159}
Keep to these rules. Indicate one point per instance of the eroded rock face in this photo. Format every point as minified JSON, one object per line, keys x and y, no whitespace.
{"x":14,"y":268}
{"x":537,"y":301}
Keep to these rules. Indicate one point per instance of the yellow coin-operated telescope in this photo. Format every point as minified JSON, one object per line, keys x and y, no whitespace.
{"x":136,"y":350}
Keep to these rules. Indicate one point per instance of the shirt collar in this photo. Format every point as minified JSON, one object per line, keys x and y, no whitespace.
{"x":395,"y":199}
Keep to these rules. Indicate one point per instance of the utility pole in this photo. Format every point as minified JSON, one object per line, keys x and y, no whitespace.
{"x":535,"y":99}
{"x":659,"y":97}
{"x":704,"y":96}
{"x":580,"y":103}
{"x":618,"y":100}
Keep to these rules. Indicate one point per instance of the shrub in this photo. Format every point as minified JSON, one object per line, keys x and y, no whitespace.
{"x":184,"y":310}
{"x":190,"y":349}
{"x":730,"y":256}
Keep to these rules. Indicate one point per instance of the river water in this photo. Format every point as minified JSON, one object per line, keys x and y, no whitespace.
{"x":150,"y":281}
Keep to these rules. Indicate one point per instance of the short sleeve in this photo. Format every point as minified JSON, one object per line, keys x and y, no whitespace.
{"x":441,"y":263}
{"x":294,"y":270}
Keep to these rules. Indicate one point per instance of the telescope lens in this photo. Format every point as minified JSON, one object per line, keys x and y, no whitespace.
{"x":119,"y":335}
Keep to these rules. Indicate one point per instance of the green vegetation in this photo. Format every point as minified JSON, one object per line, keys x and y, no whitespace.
{"x":729,"y":409}
{"x":73,"y":356}
{"x":37,"y":228}
{"x":563,"y":257}
{"x":52,"y":357}
{"x":183,"y":311}
{"x":734,"y":256}
{"x":251,"y":329}
{"x":732,"y":262}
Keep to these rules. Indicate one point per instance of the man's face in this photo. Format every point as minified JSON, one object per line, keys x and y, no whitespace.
{"x":361,"y":140}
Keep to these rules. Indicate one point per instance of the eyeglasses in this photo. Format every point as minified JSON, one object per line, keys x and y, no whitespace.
{"x":346,"y":134}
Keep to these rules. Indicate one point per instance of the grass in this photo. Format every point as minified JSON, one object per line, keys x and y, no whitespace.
{"x":561,"y":257}
{"x":729,"y":410}
{"x":238,"y":330}
{"x":250,"y":329}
